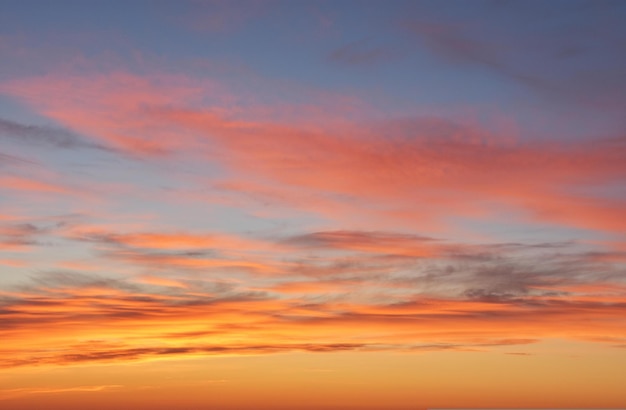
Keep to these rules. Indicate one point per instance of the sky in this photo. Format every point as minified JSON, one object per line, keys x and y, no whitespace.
{"x":326,"y":205}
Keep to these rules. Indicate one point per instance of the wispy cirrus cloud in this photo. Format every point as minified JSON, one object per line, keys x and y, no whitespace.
{"x":13,"y":160}
{"x":32,"y":185}
{"x":103,"y":99}
{"x":441,"y":167}
{"x":44,"y":136}
{"x":163,"y":352}
{"x":20,"y":235}
{"x":561,"y":62}
{"x":377,"y":242}
{"x":13,"y":393}
{"x":182,"y":250}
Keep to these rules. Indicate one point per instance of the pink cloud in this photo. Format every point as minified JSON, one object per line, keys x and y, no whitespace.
{"x":31,"y":185}
{"x":422,"y":171}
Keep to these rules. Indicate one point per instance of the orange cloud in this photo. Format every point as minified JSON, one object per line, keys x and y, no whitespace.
{"x":489,"y":303}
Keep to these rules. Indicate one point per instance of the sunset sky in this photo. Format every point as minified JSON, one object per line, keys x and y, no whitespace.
{"x":318,"y":205}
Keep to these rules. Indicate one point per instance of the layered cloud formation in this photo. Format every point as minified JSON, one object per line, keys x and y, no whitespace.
{"x":442,"y":184}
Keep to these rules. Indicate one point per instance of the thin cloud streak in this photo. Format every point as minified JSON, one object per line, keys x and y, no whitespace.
{"x":45,"y":136}
{"x":13,"y":393}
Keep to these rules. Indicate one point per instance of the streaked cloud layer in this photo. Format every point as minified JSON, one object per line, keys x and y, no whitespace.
{"x":210,"y":182}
